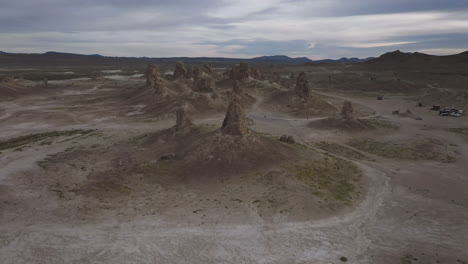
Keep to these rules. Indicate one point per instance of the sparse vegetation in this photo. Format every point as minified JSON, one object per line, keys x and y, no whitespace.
{"x":412,"y":149}
{"x":330,"y":178}
{"x":341,"y":150}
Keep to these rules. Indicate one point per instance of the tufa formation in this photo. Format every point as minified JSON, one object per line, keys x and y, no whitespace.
{"x":236,"y":88}
{"x":347,"y":111}
{"x":180,"y":71}
{"x":154,"y":80}
{"x":235,"y":123}
{"x":182,"y":121}
{"x":302,"y":86}
{"x":203,"y":83}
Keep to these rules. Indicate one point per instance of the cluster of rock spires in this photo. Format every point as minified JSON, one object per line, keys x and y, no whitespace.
{"x":154,"y":80}
{"x":347,"y":111}
{"x":302,"y":88}
{"x":243,"y":71}
{"x":235,"y":122}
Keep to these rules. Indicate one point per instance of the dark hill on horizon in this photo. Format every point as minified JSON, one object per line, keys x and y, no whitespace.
{"x":417,"y":60}
{"x":53,"y":58}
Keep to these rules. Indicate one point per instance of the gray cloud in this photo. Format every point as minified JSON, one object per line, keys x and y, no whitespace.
{"x":242,"y":28}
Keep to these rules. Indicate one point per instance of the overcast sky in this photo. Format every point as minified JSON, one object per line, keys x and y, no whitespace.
{"x":241,"y":28}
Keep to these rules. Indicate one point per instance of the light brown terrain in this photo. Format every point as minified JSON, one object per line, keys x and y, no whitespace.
{"x":189,"y":167}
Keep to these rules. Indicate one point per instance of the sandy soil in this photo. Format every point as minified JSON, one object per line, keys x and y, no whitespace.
{"x":412,"y":210}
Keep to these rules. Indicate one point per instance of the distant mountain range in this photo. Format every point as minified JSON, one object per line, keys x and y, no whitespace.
{"x":59,"y":58}
{"x":52,"y":58}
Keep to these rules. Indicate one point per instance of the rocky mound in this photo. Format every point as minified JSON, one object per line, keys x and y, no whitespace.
{"x":203,"y":83}
{"x":302,"y":88}
{"x":347,"y":111}
{"x":180,"y":71}
{"x":446,"y":98}
{"x":183,"y":122}
{"x":235,"y":122}
{"x":288,"y":102}
{"x":154,"y":80}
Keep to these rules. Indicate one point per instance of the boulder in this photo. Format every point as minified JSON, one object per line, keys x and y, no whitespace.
{"x":235,"y":123}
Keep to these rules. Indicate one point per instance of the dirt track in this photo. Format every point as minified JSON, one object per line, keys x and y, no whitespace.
{"x":413,"y":210}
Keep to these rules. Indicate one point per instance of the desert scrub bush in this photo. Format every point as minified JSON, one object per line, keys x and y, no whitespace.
{"x":330,"y":178}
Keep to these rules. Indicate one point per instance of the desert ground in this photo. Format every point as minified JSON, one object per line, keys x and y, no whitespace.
{"x":137,"y":166}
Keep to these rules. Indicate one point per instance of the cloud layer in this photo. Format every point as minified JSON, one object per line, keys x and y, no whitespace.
{"x":243,"y":28}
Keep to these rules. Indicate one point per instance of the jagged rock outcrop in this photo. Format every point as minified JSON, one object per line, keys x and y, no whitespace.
{"x":182,"y":120}
{"x":235,"y":123}
{"x":240,"y":72}
{"x":236,"y":89}
{"x":347,"y":111}
{"x":154,"y":80}
{"x":203,"y":83}
{"x":180,"y":71}
{"x":302,"y":88}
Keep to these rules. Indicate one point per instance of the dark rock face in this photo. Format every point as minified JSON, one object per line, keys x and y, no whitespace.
{"x":182,"y":121}
{"x":302,"y":86}
{"x":154,"y":80}
{"x":235,"y":123}
{"x":180,"y":71}
{"x":46,"y":82}
{"x":347,"y":111}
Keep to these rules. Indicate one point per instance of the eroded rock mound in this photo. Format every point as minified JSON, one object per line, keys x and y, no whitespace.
{"x":235,"y":122}
{"x":180,"y":71}
{"x":203,"y":83}
{"x":6,"y":79}
{"x":236,"y":89}
{"x":154,"y":79}
{"x":240,"y":72}
{"x":347,"y":111}
{"x":182,"y":121}
{"x":302,"y":86}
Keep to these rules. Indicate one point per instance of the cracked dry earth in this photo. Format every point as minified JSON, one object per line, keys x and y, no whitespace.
{"x":412,"y":210}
